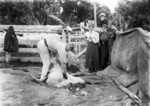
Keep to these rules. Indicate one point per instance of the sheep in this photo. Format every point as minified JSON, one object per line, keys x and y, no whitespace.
{"x":56,"y":78}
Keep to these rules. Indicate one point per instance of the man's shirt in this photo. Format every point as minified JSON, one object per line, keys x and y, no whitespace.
{"x":56,"y":45}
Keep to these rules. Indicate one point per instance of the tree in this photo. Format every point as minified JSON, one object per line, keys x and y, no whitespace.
{"x":76,"y":11}
{"x":17,"y":13}
{"x":103,"y":9}
{"x":37,"y":12}
{"x":42,"y":10}
{"x":27,"y":13}
{"x":135,"y":13}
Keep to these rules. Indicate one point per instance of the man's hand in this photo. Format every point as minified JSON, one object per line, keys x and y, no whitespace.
{"x":75,"y":61}
{"x":35,"y":78}
{"x":113,"y":27}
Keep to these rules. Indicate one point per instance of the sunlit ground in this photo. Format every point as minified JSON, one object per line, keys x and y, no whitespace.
{"x":19,"y":89}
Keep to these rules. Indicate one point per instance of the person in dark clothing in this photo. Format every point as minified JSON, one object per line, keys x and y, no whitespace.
{"x":106,"y":30}
{"x":10,"y":43}
{"x":102,"y":20}
{"x":103,"y":40}
{"x":104,"y":48}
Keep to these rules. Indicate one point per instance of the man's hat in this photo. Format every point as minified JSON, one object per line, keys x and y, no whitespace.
{"x":102,"y":14}
{"x":104,"y":25}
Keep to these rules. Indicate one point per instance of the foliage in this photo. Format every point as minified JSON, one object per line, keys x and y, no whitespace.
{"x":42,"y":9}
{"x":118,"y":21}
{"x":135,"y":13}
{"x":76,"y":11}
{"x":103,"y":9}
{"x":16,"y":13}
{"x":25,"y":13}
{"x":37,"y":12}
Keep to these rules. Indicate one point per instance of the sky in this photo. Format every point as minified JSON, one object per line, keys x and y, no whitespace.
{"x":112,"y":4}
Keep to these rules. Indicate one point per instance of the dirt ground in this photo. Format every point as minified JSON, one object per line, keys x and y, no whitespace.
{"x":17,"y":88}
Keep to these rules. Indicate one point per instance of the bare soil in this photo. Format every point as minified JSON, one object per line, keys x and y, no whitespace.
{"x":17,"y":88}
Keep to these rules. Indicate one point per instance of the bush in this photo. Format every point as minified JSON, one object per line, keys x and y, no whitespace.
{"x":19,"y":13}
{"x":135,"y":13}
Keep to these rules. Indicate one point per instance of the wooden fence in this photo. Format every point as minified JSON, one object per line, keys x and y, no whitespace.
{"x":28,"y":41}
{"x":78,"y":40}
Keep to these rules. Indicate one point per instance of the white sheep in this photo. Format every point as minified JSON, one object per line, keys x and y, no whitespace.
{"x":56,"y":78}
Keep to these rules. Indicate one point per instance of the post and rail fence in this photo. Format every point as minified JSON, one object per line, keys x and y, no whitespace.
{"x":29,"y":35}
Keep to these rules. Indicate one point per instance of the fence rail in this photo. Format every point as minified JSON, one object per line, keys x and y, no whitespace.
{"x":30,"y":40}
{"x":32,"y":27}
{"x":23,"y":50}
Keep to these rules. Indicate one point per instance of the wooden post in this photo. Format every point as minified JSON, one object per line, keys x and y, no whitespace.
{"x":135,"y":98}
{"x":95,"y":18}
{"x":76,"y":44}
{"x":79,"y":46}
{"x":80,"y":53}
{"x":8,"y":57}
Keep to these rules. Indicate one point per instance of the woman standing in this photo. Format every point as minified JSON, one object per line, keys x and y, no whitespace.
{"x":104,"y":47}
{"x":10,"y":43}
{"x":92,"y":55}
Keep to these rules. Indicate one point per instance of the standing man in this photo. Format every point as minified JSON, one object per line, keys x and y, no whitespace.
{"x":102,"y":20}
{"x":52,"y":46}
{"x":103,"y":41}
{"x":105,"y":30}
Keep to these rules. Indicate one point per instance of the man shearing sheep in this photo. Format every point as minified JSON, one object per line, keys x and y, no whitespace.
{"x":52,"y":46}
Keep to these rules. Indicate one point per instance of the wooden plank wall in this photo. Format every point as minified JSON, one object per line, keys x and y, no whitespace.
{"x":27,"y":46}
{"x":32,"y":27}
{"x":79,"y":41}
{"x":28,"y":41}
